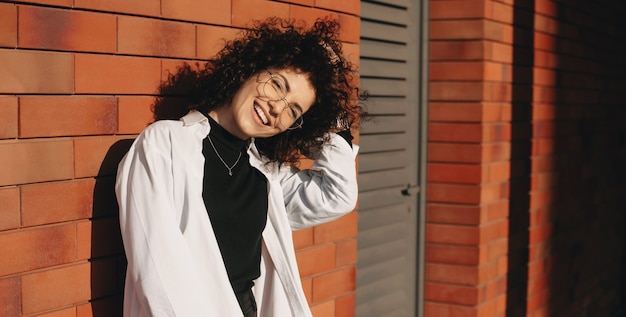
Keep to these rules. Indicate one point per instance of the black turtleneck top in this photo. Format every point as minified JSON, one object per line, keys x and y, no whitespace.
{"x":237,"y":205}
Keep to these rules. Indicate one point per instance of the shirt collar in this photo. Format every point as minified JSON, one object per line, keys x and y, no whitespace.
{"x":194,"y":117}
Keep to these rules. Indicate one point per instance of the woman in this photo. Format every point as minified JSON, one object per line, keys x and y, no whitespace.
{"x":208,"y":202}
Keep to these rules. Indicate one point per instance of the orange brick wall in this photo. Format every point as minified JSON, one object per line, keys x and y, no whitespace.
{"x":77,"y":78}
{"x":577,"y":203}
{"x":468,"y":158}
{"x":527,"y":181}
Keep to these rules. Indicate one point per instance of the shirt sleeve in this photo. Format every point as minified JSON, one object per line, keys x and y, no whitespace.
{"x":160,"y":264}
{"x":326,"y":191}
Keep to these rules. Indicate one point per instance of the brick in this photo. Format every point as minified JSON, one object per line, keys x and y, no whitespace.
{"x":56,"y":202}
{"x":457,"y":9}
{"x":334,"y":284}
{"x":209,"y":11}
{"x":66,"y":116}
{"x":497,"y":210}
{"x":99,"y":238}
{"x":151,"y":37}
{"x":245,"y":11}
{"x":351,"y":7}
{"x":316,"y":260}
{"x":134,"y":113}
{"x":454,"y":254}
{"x":492,"y":152}
{"x":455,"y":132}
{"x":454,"y":193}
{"x":457,"y":29}
{"x":455,"y":173}
{"x":499,"y":246}
{"x":497,"y":31}
{"x":456,"y":91}
{"x":10,"y":299}
{"x":212,"y":38}
{"x":539,"y":233}
{"x":35,"y":161}
{"x":457,"y":111}
{"x":345,"y":306}
{"x":302,"y":238}
{"x":544,"y":42}
{"x":144,"y":7}
{"x":549,"y":8}
{"x":27,"y":250}
{"x":455,"y":294}
{"x":499,"y":72}
{"x":538,"y":300}
{"x":346,"y":252}
{"x":23,"y":72}
{"x":454,"y":152}
{"x":8,"y":25}
{"x":325,"y":309}
{"x":350,"y":28}
{"x":500,"y":12}
{"x":496,"y":132}
{"x":47,"y":290}
{"x":8,"y":117}
{"x":309,"y":15}
{"x":497,"y":171}
{"x":456,"y":50}
{"x":99,"y":156}
{"x":117,"y":74}
{"x":546,"y":25}
{"x":67,"y":30}
{"x":342,"y":228}
{"x":452,"y":234}
{"x":499,"y":52}
{"x":494,"y":191}
{"x":448,"y":70}
{"x":10,"y":207}
{"x":452,"y":274}
{"x":455,"y":214}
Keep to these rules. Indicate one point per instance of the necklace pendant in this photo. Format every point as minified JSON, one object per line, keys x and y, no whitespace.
{"x":230,"y":173}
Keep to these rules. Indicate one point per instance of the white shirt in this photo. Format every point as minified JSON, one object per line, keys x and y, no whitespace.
{"x":174,"y":264}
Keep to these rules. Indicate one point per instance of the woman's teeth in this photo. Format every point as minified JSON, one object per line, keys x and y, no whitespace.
{"x":261,"y":115}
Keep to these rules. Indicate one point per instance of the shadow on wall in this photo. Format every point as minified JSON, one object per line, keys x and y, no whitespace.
{"x":108,"y":263}
{"x":566,"y":246}
{"x":520,"y":168}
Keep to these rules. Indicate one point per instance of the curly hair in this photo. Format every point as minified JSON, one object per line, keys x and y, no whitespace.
{"x":277,"y":44}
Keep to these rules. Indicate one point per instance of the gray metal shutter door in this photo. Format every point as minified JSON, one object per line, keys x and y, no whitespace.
{"x":388,"y":161}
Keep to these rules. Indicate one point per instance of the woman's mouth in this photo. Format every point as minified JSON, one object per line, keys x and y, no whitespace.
{"x":261,"y":114}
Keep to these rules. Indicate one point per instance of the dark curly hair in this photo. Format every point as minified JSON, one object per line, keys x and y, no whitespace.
{"x":275,"y":44}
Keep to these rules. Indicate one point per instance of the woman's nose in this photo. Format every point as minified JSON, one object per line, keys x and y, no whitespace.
{"x":277,"y":106}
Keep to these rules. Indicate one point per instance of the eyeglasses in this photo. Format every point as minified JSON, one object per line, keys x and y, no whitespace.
{"x":274,"y":88}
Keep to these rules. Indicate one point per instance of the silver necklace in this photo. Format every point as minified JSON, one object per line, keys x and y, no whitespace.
{"x":230,"y":169}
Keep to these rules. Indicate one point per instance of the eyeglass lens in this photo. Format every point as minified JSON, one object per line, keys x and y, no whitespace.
{"x":275,"y":89}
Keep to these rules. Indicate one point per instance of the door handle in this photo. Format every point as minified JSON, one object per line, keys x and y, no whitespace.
{"x":410,"y":189}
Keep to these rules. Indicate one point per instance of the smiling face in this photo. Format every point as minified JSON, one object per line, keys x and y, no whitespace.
{"x":267,"y":104}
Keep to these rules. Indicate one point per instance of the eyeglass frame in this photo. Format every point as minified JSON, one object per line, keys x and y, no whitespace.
{"x":281,"y":92}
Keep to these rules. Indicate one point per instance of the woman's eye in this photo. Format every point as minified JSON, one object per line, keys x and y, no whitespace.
{"x":278,"y":85}
{"x":294,"y":113}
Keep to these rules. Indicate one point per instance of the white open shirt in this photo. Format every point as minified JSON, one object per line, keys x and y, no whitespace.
{"x":174,"y":264}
